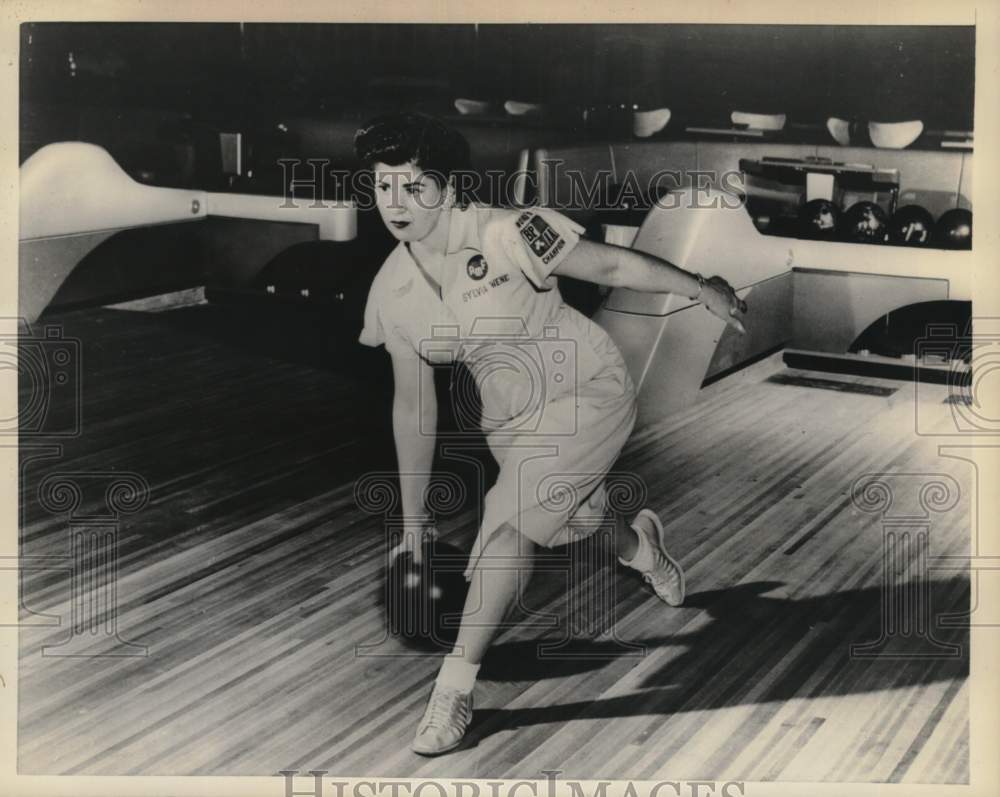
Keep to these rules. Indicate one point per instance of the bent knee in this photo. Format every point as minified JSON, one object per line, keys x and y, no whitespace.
{"x":508,"y":542}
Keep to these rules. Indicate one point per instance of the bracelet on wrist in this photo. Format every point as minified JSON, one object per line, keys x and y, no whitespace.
{"x":701,"y":287}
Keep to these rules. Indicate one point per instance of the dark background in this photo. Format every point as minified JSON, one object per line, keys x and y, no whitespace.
{"x":228,"y":72}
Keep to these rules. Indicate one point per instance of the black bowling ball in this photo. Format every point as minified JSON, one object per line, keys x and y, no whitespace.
{"x":763,"y":221}
{"x":765,"y":214}
{"x":864,"y":223}
{"x":424,"y":602}
{"x":818,"y":219}
{"x":954,"y":229}
{"x":911,"y":225}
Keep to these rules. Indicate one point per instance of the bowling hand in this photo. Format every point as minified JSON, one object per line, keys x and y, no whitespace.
{"x":720,"y":299}
{"x":413,"y":538}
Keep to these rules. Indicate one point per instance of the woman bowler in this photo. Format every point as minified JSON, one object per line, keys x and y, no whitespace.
{"x":488,"y":274}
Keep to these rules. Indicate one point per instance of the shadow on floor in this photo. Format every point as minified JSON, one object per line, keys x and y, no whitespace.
{"x":820,"y":646}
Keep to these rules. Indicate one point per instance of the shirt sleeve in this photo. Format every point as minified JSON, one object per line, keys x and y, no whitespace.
{"x":537,"y":240}
{"x":379,"y":328}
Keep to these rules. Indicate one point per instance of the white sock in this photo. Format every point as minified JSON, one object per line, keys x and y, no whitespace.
{"x":457,"y":673}
{"x":642,"y":560}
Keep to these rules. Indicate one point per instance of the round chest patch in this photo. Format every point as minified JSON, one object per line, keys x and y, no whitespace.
{"x":476,"y":268}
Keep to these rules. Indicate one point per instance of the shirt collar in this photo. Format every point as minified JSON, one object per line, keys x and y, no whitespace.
{"x":463,"y":233}
{"x":463,"y":230}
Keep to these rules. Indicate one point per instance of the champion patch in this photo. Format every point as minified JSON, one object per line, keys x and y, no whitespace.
{"x":537,"y":233}
{"x":476,"y":268}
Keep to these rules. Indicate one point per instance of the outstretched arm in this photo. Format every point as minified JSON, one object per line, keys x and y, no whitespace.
{"x":618,"y":267}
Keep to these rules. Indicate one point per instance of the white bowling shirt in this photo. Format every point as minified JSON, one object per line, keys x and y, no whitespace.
{"x":558,"y":404}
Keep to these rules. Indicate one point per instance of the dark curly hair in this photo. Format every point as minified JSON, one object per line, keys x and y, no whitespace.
{"x":405,"y":136}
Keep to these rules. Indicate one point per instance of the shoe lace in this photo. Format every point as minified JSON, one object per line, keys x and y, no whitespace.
{"x":664,"y":572}
{"x":444,"y":705}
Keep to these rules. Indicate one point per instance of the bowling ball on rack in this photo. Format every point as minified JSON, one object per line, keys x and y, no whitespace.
{"x":911,"y":225}
{"x":424,"y":601}
{"x":767,"y":215}
{"x":818,"y":219}
{"x":864,"y":223}
{"x":954,"y":229}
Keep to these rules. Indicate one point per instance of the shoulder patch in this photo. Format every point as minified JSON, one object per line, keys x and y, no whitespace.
{"x":540,"y":236}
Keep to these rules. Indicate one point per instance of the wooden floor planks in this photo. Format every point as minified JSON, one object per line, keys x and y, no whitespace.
{"x":255,"y":581}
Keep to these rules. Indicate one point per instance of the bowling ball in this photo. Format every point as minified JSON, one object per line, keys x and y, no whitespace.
{"x":762,"y":221}
{"x":764,"y":213}
{"x":424,"y":601}
{"x":911,"y":225}
{"x":864,"y":223}
{"x":954,"y":229}
{"x":818,"y":219}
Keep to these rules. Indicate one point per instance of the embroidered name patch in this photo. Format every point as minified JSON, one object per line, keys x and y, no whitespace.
{"x":545,"y":242}
{"x":477,"y":267}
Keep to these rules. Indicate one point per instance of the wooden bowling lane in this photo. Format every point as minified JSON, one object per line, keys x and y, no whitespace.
{"x":254,"y":579}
